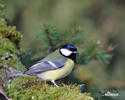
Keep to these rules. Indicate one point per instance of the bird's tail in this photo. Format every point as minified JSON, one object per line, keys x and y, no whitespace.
{"x":16,"y":74}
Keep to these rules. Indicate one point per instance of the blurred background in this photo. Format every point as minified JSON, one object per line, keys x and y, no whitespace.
{"x":102,"y":20}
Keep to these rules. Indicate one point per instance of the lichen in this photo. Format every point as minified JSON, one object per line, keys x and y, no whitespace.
{"x":31,"y":88}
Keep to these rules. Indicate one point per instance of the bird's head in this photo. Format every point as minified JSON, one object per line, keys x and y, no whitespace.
{"x":69,"y":51}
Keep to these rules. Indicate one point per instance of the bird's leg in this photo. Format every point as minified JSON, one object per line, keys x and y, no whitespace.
{"x":53,"y":81}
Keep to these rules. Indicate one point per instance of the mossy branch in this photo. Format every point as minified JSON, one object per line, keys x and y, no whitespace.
{"x":28,"y":87}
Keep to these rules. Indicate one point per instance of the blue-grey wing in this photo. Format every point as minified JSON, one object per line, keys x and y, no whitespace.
{"x":45,"y":66}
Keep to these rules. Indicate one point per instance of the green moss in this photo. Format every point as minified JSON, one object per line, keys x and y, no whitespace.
{"x":11,"y":33}
{"x":8,"y":48}
{"x":2,"y":22}
{"x":9,"y":44}
{"x":31,"y":88}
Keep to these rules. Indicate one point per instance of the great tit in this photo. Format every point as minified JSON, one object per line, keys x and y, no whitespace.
{"x":54,"y":66}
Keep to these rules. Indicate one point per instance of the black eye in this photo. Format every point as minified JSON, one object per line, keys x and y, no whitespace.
{"x":69,"y":47}
{"x":73,"y":49}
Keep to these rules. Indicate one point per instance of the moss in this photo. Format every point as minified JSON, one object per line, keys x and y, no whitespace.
{"x":9,"y":44}
{"x":2,"y":22}
{"x":9,"y":40}
{"x":11,"y":33}
{"x":8,"y":48}
{"x":31,"y":88}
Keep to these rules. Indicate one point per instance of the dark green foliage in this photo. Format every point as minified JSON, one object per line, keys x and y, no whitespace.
{"x":54,"y":39}
{"x":89,"y":50}
{"x":92,"y":50}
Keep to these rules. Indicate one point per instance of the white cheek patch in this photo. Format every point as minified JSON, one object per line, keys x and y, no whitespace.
{"x":65,"y":52}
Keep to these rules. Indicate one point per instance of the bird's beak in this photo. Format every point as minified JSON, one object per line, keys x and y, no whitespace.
{"x":76,"y":52}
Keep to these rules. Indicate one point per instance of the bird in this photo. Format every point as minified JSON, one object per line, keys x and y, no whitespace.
{"x":55,"y":66}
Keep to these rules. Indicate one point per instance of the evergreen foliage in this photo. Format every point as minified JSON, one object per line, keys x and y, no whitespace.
{"x":51,"y":40}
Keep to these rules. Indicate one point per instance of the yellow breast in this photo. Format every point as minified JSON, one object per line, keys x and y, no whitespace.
{"x":58,"y":73}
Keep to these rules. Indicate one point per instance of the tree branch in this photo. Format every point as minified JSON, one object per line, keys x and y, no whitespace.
{"x":68,"y":37}
{"x":49,"y":39}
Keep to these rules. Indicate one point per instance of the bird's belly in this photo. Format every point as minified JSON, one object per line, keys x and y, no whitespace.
{"x":58,"y":73}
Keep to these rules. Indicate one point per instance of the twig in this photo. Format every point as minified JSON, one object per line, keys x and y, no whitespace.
{"x":68,"y":37}
{"x":3,"y":95}
{"x":117,"y":84}
{"x":5,"y":66}
{"x":49,"y":39}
